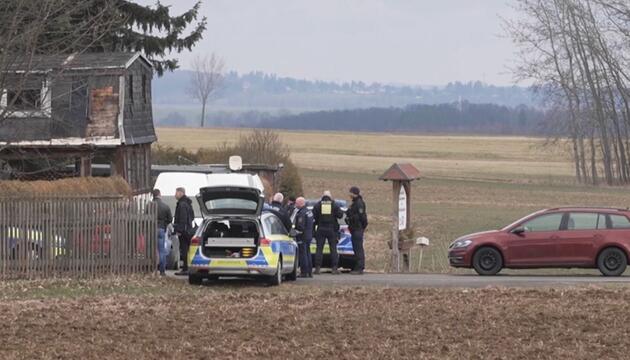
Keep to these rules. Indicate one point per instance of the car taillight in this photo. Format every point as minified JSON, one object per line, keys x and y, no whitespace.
{"x":196,"y":240}
{"x":265,"y":242}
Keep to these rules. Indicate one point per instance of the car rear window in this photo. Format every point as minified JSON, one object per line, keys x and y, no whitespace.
{"x":549,"y":222}
{"x":619,"y":222}
{"x":583,"y":221}
{"x":231,"y":204}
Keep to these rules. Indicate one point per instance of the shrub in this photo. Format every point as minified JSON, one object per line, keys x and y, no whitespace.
{"x":260,"y":146}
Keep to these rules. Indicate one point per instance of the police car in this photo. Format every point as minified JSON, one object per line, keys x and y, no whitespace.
{"x":236,"y":238}
{"x":344,"y":246}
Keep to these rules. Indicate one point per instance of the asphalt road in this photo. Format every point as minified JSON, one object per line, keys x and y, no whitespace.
{"x":464,"y":281}
{"x":448,"y":281}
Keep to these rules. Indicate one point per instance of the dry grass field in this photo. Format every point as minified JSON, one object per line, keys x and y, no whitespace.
{"x":150,"y":318}
{"x":481,"y":157}
{"x":470,"y":183}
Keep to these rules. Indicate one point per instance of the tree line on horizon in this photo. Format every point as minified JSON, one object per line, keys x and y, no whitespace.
{"x":461,"y":117}
{"x":259,"y":90}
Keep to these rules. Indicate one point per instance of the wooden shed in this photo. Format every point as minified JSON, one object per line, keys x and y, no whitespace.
{"x":80,"y":109}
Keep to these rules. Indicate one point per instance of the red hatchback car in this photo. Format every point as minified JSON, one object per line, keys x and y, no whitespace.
{"x":562,"y":238}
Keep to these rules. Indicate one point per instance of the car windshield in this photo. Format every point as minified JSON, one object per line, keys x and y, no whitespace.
{"x":172,"y":203}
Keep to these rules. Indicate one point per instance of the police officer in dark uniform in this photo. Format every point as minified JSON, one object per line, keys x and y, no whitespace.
{"x":280,"y":211}
{"x":325,"y":213}
{"x":356,"y":217}
{"x":304,"y":229}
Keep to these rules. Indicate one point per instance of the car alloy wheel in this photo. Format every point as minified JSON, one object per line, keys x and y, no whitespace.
{"x":487,"y":261}
{"x":612,"y":262}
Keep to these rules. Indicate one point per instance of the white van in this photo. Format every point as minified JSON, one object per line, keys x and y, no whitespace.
{"x":168,"y":182}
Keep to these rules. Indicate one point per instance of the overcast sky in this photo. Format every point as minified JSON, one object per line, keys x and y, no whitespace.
{"x":427,"y":42}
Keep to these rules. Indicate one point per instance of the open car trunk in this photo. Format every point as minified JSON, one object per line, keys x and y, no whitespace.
{"x":230,"y":200}
{"x":230,"y":238}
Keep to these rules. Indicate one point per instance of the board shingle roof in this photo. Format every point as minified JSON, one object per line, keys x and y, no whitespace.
{"x":87,"y":61}
{"x":401,"y":172}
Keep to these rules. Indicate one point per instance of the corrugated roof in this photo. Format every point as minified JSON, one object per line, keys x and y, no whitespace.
{"x":400,"y":172}
{"x":87,"y":61}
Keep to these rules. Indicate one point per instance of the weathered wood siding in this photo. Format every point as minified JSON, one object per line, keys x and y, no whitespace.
{"x":85,"y":104}
{"x":103,"y":107}
{"x":138,"y":115}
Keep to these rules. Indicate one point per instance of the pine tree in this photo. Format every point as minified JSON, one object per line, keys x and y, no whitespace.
{"x":155,"y":32}
{"x":120,"y":25}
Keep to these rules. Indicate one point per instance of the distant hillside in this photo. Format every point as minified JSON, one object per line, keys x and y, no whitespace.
{"x":264,"y":92}
{"x":444,"y":118}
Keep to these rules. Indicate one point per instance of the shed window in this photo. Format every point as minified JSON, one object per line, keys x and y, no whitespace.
{"x":28,"y":99}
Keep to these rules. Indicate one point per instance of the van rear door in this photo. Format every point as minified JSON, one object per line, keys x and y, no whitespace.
{"x":230,"y":200}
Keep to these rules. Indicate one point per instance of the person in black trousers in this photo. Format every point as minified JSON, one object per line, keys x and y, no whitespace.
{"x":326,"y":212}
{"x":183,"y":225}
{"x":164,"y":218}
{"x":304,"y":230}
{"x":356,"y":217}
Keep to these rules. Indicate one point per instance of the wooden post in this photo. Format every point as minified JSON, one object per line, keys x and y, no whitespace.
{"x":118,"y":162}
{"x":406,"y":253}
{"x":85,"y":164}
{"x":407,"y":185}
{"x":401,"y":176}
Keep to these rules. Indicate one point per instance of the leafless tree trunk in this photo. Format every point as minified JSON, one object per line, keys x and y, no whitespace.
{"x":576,"y":51}
{"x":207,"y":77}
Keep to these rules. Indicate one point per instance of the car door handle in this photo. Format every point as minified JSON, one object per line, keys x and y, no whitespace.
{"x":555,"y":237}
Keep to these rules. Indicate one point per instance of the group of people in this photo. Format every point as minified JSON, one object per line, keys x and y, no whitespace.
{"x":321,"y":223}
{"x":183,"y":225}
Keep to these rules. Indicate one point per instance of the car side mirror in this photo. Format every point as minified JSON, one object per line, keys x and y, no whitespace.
{"x":293,"y":233}
{"x":518,"y":231}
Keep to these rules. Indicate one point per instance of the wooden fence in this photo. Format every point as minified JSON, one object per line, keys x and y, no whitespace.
{"x":76,"y":237}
